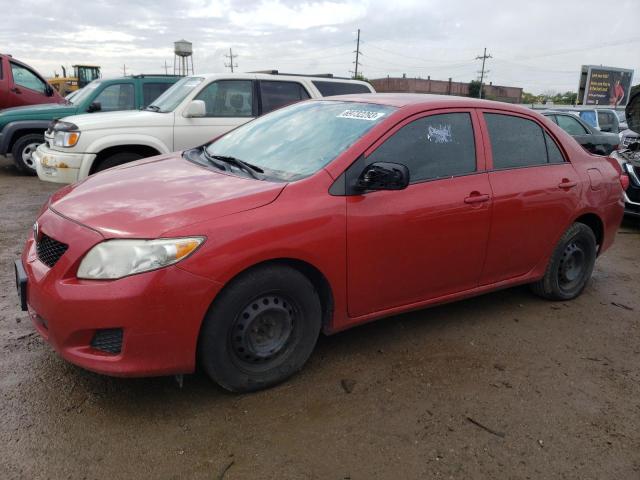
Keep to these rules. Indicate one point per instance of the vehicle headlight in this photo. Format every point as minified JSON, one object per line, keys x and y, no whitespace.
{"x":114,"y":259}
{"x":65,"y":139}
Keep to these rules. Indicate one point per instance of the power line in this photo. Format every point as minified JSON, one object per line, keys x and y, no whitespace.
{"x":231,"y":64}
{"x":484,"y":58}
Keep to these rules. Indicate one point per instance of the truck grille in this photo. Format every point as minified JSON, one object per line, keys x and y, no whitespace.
{"x":49,"y":250}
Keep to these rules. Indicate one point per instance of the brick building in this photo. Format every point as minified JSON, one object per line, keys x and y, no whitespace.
{"x":444,"y":87}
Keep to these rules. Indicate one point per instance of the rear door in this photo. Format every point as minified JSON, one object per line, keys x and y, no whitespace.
{"x":535,"y":194}
{"x":277,"y":94}
{"x":430,"y":239}
{"x":228,"y":104}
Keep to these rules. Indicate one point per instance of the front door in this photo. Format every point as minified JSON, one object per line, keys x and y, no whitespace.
{"x":27,"y":89}
{"x":535,"y":192}
{"x":430,"y":239}
{"x":228,"y":103}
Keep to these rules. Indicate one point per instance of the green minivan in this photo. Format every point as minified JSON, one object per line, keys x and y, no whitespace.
{"x":22,"y":128}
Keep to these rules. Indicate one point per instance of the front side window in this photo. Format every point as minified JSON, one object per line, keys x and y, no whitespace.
{"x":437,"y":146}
{"x":27,"y":79}
{"x":606,"y":120}
{"x":571,"y":125}
{"x":296,"y":141}
{"x":119,"y":96}
{"x":228,"y":98}
{"x":327,"y":88}
{"x":278,"y":94}
{"x":515,"y":141}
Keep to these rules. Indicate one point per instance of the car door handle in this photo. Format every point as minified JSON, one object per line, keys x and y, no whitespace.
{"x":16,"y":90}
{"x":567,"y":184}
{"x":476,"y":198}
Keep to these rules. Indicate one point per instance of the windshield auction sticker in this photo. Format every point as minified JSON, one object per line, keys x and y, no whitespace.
{"x":361,"y":115}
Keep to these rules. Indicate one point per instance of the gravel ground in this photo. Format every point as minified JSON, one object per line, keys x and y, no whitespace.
{"x":501,"y":386}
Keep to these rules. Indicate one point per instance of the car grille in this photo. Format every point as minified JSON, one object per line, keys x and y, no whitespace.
{"x":626,"y":141}
{"x":108,"y":340}
{"x":49,"y":250}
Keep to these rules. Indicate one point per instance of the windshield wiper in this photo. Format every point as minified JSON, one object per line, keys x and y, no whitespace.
{"x":241,"y":164}
{"x":153,"y":108}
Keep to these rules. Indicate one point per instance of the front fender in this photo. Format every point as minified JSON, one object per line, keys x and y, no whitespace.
{"x":10,"y":130}
{"x":114,"y":140}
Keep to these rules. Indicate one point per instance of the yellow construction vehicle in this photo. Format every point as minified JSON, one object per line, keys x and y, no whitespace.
{"x":82,"y":74}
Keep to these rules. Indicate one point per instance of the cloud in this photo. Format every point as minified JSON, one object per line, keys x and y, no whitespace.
{"x":419,"y":38}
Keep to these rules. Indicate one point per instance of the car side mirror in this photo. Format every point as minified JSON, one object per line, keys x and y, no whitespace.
{"x":94,"y":107}
{"x":383,"y":176}
{"x":48,"y":91}
{"x":195,"y":109}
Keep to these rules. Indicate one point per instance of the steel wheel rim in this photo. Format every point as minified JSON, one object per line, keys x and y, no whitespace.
{"x":263,"y":330}
{"x":27,"y":154}
{"x":572,"y":265}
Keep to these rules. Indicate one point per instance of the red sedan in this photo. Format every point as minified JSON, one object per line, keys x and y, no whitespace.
{"x":319,"y":216}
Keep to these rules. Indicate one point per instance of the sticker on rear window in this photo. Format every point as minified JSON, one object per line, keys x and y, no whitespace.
{"x":439,"y":134}
{"x":361,"y":115}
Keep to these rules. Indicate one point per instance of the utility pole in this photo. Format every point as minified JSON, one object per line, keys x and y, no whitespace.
{"x":166,"y":68}
{"x":357,"y":52}
{"x":484,"y":57}
{"x":231,"y":64}
{"x":124,"y":70}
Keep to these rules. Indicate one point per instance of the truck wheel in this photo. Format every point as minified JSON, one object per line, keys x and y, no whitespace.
{"x":261,"y":329}
{"x":570,"y":266}
{"x":22,"y":152}
{"x":117,"y":159}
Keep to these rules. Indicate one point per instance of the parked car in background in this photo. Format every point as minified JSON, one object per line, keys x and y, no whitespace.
{"x":22,"y":85}
{"x":22,"y":129}
{"x":629,"y":159}
{"x":602,"y":119}
{"x":593,"y":140}
{"x":622,"y":120}
{"x":192,"y":112}
{"x":319,"y":216}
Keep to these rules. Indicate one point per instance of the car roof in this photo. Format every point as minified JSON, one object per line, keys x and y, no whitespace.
{"x":271,"y":76}
{"x":400,"y":100}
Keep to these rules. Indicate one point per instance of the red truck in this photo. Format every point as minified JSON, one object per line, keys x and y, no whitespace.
{"x":22,"y":85}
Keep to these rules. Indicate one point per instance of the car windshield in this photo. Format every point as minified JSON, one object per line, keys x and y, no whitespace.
{"x":295,"y":142}
{"x":171,"y":98}
{"x":84,"y":93}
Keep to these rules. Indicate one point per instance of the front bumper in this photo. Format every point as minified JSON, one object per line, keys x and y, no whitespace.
{"x":61,"y":167}
{"x":158,"y":313}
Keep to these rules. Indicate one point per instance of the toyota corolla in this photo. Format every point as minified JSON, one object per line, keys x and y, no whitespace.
{"x":317,"y":217}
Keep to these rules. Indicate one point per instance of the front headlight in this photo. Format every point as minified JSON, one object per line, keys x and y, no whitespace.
{"x":65,"y":139}
{"x":114,"y":259}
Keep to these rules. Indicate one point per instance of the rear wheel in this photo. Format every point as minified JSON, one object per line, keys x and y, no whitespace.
{"x":118,"y":159}
{"x":23,"y":150}
{"x":261,"y":329}
{"x":571,"y":265}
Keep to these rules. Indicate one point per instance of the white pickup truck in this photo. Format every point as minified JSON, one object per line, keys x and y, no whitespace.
{"x":193,"y":111}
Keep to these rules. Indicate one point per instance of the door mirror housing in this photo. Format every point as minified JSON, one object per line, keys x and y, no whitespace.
{"x":94,"y":107}
{"x":383,"y":176}
{"x":48,"y":90}
{"x":195,"y":109}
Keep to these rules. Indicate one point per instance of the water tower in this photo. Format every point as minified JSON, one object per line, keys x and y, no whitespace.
{"x":183,"y":53}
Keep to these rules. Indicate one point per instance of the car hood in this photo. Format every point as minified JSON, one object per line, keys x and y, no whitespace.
{"x":53,"y":109}
{"x":121,"y":119}
{"x":146,"y":198}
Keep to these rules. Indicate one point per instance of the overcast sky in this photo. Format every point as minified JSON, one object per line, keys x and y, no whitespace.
{"x":538,"y":45}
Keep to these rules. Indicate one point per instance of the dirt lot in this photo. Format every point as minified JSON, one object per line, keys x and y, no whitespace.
{"x":501,"y":386}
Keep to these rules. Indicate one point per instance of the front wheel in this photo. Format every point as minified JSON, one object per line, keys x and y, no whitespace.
{"x":23,"y":150}
{"x":261,"y":329}
{"x":571,"y":265}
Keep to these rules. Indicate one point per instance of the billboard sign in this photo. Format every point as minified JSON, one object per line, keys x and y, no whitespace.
{"x":604,"y":86}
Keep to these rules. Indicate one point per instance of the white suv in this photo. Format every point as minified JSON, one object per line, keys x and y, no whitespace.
{"x":193,"y":111}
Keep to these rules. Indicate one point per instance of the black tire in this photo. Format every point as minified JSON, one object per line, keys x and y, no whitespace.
{"x":571,"y":265}
{"x":261,"y":329}
{"x":117,"y":159}
{"x":22,"y":152}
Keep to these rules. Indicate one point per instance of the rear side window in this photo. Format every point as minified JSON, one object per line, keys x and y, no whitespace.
{"x":437,"y":146}
{"x":571,"y":125}
{"x":553,"y":152}
{"x":606,"y":120}
{"x":278,"y":94}
{"x":151,"y":91}
{"x":116,"y":97}
{"x":339,"y":88}
{"x":515,"y":141}
{"x":589,"y":116}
